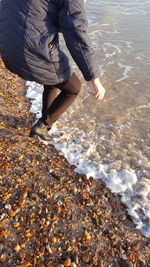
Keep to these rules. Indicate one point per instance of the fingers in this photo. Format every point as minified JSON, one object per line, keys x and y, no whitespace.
{"x":98,"y":96}
{"x":98,"y":89}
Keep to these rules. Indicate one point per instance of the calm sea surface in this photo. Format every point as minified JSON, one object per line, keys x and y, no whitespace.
{"x":111,"y":139}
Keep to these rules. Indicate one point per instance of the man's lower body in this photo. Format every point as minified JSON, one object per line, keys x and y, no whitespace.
{"x":53,"y":104}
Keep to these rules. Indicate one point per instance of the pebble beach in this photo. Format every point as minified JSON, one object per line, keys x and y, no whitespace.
{"x":51,"y":216}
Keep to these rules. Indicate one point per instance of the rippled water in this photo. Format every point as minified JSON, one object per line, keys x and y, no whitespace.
{"x":111,"y":139}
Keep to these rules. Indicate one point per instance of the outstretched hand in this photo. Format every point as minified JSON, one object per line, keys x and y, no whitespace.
{"x":98,"y":89}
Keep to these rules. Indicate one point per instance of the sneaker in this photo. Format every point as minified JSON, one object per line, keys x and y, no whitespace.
{"x":40,"y":129}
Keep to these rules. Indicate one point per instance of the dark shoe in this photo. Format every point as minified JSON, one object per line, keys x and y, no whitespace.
{"x":39,"y":122}
{"x":40,"y":129}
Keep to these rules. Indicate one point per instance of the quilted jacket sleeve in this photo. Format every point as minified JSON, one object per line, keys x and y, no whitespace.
{"x":2,"y":21}
{"x":73,"y":24}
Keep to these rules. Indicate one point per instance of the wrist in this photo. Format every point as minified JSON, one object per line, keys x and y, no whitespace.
{"x":95,"y":81}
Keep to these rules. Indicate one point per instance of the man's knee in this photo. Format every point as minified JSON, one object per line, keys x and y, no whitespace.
{"x":75,"y":84}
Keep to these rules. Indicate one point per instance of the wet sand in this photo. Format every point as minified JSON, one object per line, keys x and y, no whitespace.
{"x":50,"y":215}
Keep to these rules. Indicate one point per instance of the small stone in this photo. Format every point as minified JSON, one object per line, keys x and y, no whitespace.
{"x":22,"y":255}
{"x":13,"y":213}
{"x":49,"y":249}
{"x":72,"y":166}
{"x":84,"y":196}
{"x":17,"y":248}
{"x":85,"y":258}
{"x":111,"y":235}
{"x":61,"y":154}
{"x":147,"y":165}
{"x":6,"y":196}
{"x":75,"y":190}
{"x":16,"y":225}
{"x":123,"y":217}
{"x":77,"y":260}
{"x":131,"y":257}
{"x":123,"y":256}
{"x":101,"y":264}
{"x":87,"y":236}
{"x":73,"y":264}
{"x":2,"y":257}
{"x":73,"y":240}
{"x":2,"y":216}
{"x":127,"y":264}
{"x":60,"y":265}
{"x":7,"y":206}
{"x":31,"y":214}
{"x":51,"y":170}
{"x":136,"y":246}
{"x":54,"y":175}
{"x":23,"y":245}
{"x":45,"y":240}
{"x":67,"y":262}
{"x":93,"y":215}
{"x":95,"y":221}
{"x":78,"y":238}
{"x":117,"y":164}
{"x":54,"y":239}
{"x":95,"y":260}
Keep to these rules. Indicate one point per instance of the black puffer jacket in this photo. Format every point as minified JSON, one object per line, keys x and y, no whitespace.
{"x":29,"y":39}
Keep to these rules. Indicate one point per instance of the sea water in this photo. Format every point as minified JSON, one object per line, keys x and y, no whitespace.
{"x":110,"y":139}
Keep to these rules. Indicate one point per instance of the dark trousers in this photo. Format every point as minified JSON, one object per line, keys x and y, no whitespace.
{"x":55,"y":104}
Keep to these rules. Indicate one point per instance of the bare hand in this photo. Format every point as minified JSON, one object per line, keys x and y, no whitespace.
{"x":98,"y":89}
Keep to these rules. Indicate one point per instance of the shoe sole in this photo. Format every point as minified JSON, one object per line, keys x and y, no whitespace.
{"x":32,"y":134}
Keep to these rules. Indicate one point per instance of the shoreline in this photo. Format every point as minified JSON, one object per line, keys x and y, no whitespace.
{"x":51,"y":215}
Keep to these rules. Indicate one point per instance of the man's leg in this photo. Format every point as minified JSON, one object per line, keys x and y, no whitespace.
{"x":69,"y":91}
{"x":49,"y":94}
